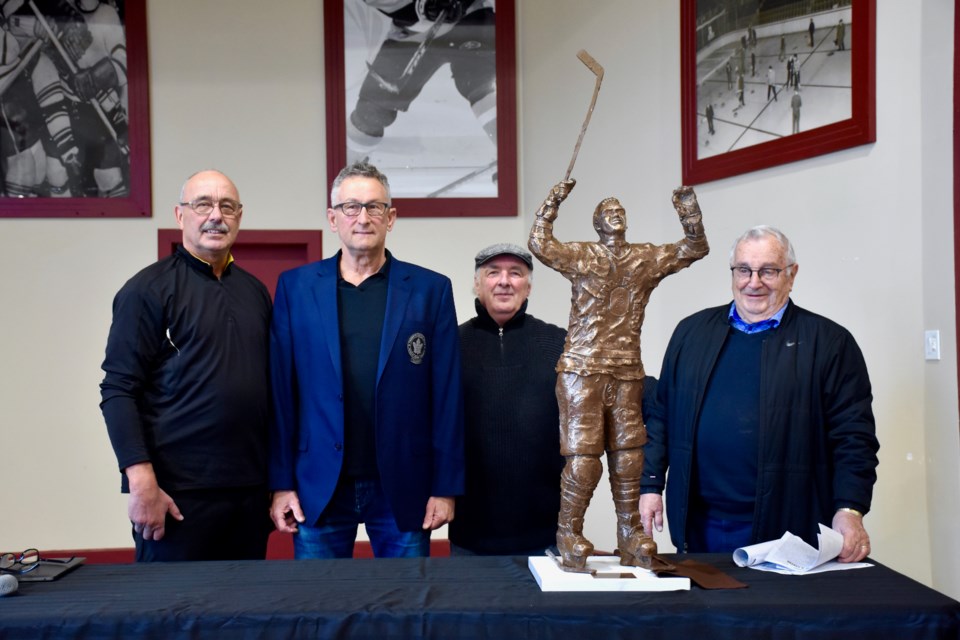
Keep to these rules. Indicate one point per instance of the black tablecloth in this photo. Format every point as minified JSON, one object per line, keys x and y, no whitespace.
{"x":470,"y":597}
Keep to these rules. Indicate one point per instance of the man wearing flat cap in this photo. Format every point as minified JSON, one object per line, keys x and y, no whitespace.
{"x":513,"y":460}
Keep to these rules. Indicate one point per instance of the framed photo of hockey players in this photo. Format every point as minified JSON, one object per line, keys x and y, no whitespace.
{"x":766,"y":85}
{"x":426,"y":91}
{"x":75,"y":132}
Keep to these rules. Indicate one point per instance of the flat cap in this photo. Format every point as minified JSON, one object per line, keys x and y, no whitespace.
{"x":503,"y":248}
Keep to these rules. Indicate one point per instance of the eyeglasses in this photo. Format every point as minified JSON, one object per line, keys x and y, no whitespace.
{"x":767,"y":274}
{"x":352,"y":209}
{"x":204,"y":207}
{"x":25,"y":562}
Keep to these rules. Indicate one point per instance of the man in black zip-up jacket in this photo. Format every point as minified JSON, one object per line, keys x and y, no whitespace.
{"x":513,"y":460}
{"x":763,"y":417}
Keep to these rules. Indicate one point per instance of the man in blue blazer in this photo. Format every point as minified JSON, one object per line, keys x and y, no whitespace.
{"x":365,"y":368}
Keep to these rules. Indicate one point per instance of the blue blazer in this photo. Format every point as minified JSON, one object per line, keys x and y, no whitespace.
{"x":419,"y":412}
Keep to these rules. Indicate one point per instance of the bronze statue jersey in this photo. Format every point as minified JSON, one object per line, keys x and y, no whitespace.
{"x":611,"y":288}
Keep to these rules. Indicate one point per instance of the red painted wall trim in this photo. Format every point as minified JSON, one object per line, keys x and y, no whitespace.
{"x":280,"y":547}
{"x":956,"y":168}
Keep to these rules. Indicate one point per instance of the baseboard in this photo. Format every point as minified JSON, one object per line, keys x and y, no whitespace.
{"x":93,"y":556}
{"x":279,"y":547}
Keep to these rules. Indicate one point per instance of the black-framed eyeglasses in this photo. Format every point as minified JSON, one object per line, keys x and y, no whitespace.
{"x":21,"y":563}
{"x":205,"y":206}
{"x":351,"y":209}
{"x":767,"y":274}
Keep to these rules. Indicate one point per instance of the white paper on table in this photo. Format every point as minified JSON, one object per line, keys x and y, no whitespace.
{"x":792,"y":556}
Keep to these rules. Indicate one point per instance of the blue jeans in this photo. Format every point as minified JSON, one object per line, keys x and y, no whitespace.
{"x":355,"y":502}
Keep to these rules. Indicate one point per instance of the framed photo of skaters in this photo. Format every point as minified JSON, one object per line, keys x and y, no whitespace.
{"x":75,"y":131}
{"x":763,"y":86}
{"x":426,"y":91}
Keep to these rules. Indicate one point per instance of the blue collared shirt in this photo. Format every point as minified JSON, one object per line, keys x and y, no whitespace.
{"x":740,"y":324}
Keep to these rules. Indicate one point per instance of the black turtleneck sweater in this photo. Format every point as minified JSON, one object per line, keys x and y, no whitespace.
{"x":513,"y":460}
{"x":187,"y":384}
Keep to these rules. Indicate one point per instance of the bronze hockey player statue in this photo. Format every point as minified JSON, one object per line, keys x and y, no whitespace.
{"x":600,"y":375}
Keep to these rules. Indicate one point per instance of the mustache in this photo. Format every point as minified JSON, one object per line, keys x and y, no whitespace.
{"x":215,"y":226}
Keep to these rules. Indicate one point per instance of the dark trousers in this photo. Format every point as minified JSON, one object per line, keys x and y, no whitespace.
{"x":706,"y":534}
{"x":218,"y":524}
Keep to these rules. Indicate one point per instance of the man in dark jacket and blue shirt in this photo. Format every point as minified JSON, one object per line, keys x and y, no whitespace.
{"x":186,"y":392}
{"x":513,"y":460}
{"x":763,"y":417}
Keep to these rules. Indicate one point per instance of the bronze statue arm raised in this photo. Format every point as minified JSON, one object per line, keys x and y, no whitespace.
{"x":688,"y":209}
{"x":551,"y":205}
{"x":541,"y":242}
{"x":685,"y":202}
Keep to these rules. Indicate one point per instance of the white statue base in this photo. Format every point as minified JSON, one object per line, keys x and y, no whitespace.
{"x":608,"y":575}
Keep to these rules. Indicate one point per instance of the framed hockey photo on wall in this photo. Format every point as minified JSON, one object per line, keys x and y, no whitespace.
{"x":764,"y":83}
{"x":426,"y":91}
{"x":75,"y":131}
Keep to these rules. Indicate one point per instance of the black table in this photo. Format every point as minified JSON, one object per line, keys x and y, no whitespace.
{"x":460,"y":598}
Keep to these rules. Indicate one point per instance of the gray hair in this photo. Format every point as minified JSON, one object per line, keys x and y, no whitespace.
{"x":502,"y":249}
{"x":477,"y":276}
{"x":360,"y":169}
{"x":765,"y":231}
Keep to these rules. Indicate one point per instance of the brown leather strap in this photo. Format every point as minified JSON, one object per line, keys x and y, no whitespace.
{"x":703,"y":575}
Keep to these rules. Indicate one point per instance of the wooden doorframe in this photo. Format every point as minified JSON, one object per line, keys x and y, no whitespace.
{"x":956,"y":175}
{"x":286,"y":249}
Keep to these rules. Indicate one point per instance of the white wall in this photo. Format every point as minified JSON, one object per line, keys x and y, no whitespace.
{"x":242,"y":90}
{"x":939,"y":382}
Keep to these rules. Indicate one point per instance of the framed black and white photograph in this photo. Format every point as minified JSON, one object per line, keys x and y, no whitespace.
{"x":769,"y":82}
{"x":75,"y":130}
{"x":426,"y":91}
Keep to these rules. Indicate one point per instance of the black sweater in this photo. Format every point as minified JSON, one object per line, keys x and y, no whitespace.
{"x":187,"y":385}
{"x":513,"y":460}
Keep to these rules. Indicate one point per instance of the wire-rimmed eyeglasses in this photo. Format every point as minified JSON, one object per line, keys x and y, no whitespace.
{"x":351,"y":209}
{"x":205,"y":206}
{"x":26,"y":561}
{"x":21,"y":563}
{"x":767,"y":274}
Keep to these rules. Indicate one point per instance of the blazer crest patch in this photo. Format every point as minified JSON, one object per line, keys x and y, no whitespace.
{"x":417,"y":347}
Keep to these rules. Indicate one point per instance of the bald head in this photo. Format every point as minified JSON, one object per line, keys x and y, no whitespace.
{"x":208,"y":213}
{"x":205,"y":173}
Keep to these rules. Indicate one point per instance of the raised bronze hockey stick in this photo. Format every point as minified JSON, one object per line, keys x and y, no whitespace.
{"x":597,"y":70}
